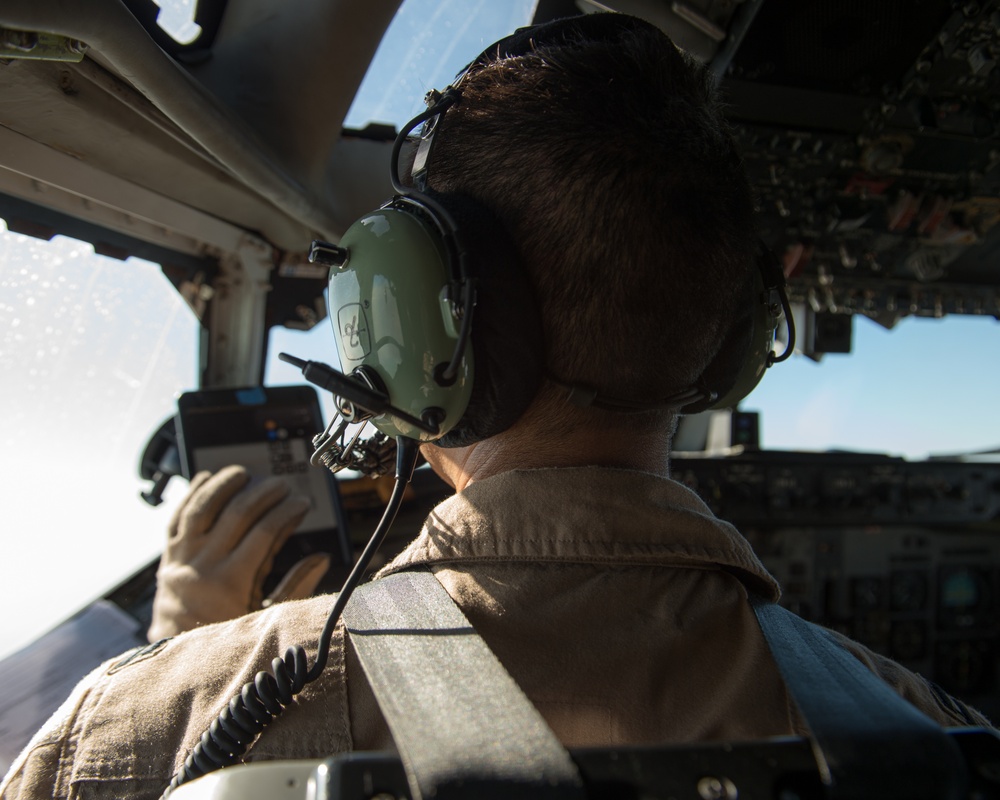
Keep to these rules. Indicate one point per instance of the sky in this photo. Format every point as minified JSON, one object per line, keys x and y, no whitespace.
{"x":928,"y":386}
{"x":95,"y":351}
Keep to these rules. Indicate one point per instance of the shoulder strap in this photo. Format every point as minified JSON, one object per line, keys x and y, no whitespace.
{"x":462,"y":726}
{"x":868,"y":741}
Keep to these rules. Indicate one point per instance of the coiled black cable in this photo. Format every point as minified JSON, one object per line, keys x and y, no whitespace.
{"x":790,"y":324}
{"x":269,"y":693}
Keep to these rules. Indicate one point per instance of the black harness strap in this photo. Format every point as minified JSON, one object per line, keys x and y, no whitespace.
{"x":868,"y":741}
{"x":462,"y":726}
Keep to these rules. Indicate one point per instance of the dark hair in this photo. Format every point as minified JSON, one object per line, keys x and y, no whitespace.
{"x":610,"y":163}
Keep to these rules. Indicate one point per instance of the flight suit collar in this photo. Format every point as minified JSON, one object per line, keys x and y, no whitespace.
{"x":592,"y":515}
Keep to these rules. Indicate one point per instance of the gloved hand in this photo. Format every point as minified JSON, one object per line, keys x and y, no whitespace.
{"x":220,"y":547}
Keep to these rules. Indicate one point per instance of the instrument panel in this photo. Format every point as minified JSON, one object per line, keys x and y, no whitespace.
{"x":902,"y":557}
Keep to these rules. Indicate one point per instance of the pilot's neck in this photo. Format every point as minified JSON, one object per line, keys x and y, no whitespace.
{"x":518,"y":449}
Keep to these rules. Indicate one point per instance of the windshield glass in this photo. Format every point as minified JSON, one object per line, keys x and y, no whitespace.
{"x":928,"y":386}
{"x":427,"y":44}
{"x":93,"y":352}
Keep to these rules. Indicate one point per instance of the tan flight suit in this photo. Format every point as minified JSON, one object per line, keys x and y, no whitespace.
{"x":614,"y":598}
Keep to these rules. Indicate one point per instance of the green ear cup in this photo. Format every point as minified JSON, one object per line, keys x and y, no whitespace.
{"x":391,"y":313}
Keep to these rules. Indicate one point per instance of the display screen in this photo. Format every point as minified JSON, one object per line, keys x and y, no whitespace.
{"x":959,"y":589}
{"x":267,"y":431}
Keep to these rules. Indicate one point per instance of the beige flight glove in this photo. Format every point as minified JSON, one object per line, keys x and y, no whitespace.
{"x":220,"y":547}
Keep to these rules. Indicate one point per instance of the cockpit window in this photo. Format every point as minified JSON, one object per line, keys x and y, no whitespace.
{"x":316,"y":344}
{"x":93,"y":352}
{"x":427,"y":44}
{"x":177,"y":18}
{"x":180,"y":26}
{"x":926,"y":387}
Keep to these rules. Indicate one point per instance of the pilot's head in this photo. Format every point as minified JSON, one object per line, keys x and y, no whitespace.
{"x":574,"y":252}
{"x":603,"y":151}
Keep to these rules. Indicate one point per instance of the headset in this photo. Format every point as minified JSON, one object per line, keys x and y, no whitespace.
{"x":436,"y":326}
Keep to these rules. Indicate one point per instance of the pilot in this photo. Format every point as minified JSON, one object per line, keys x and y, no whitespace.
{"x":612,"y":595}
